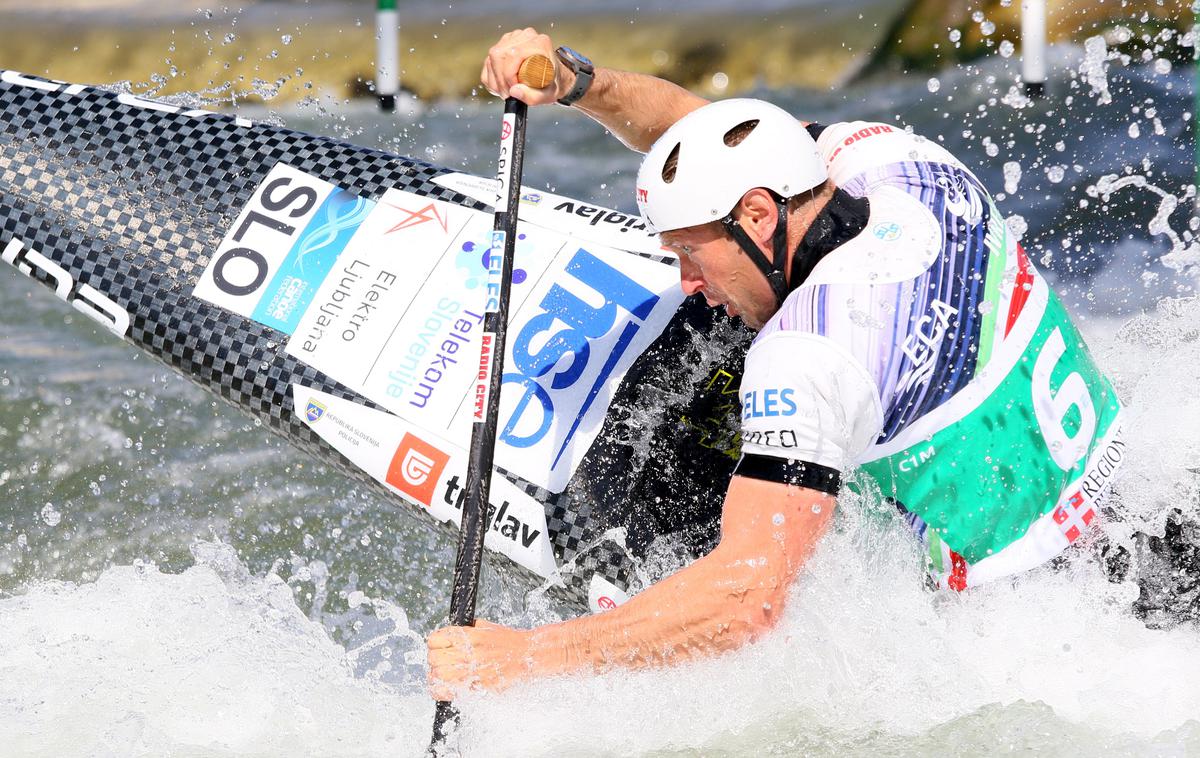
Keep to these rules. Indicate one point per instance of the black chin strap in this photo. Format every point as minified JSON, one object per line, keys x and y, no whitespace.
{"x":772,"y":270}
{"x":843,"y":218}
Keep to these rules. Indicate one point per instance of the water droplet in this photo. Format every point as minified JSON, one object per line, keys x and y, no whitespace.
{"x":955,"y":35}
{"x":987,"y":28}
{"x":286,"y":39}
{"x":1012,"y":176}
{"x":1056,"y":173}
{"x":1007,"y":48}
{"x":50,"y":515}
{"x":1134,"y":130}
{"x":1162,"y":66}
{"x":777,"y":519}
{"x":816,"y":508}
{"x":933,"y":84}
{"x":1017,"y":225}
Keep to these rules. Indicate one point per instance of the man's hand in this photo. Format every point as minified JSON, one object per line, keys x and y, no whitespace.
{"x":485,"y":656}
{"x":504,"y":60}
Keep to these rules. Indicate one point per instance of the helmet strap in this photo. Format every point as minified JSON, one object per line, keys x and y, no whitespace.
{"x":772,"y":270}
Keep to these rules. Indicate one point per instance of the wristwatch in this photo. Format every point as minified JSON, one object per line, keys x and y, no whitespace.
{"x":584,"y":74}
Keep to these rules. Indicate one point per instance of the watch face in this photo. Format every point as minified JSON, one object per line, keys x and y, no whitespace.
{"x":579,"y":57}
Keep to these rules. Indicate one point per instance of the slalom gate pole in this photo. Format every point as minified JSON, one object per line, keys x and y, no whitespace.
{"x":537,"y":71}
{"x":387,"y":55}
{"x":1033,"y":47}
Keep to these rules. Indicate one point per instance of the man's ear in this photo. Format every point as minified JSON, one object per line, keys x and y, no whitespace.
{"x":759,"y":215}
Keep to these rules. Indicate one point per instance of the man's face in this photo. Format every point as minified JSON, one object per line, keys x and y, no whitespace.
{"x":711,"y":263}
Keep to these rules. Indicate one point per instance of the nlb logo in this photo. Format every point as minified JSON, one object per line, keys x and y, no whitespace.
{"x":82,"y":297}
{"x":554,"y":349}
{"x":416,"y":468}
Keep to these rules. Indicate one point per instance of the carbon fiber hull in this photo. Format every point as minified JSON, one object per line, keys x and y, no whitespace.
{"x":119,"y":204}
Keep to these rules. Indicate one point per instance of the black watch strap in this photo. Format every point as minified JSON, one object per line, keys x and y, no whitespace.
{"x":584,"y":74}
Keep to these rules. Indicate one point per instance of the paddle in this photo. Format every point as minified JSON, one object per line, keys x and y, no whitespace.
{"x":537,"y":71}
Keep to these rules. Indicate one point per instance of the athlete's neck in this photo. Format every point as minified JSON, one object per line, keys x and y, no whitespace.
{"x":824,"y":227}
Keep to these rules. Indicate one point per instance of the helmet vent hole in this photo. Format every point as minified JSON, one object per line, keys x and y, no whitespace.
{"x":672,"y":164}
{"x":737,"y":134}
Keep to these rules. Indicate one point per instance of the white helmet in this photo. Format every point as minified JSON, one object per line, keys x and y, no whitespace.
{"x":711,"y":177}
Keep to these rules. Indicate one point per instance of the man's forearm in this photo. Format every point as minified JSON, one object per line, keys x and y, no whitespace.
{"x":637,"y":108}
{"x":710,"y":607}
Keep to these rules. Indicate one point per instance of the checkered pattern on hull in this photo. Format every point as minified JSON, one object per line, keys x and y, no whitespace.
{"x":133,"y":201}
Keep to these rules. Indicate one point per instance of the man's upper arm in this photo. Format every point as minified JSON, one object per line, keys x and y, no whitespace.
{"x":778,"y":523}
{"x":809,"y":410}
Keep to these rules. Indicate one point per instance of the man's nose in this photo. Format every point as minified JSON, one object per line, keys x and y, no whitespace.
{"x":690,"y":278}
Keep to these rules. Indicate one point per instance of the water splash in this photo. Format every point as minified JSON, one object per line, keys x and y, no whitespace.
{"x":1184,"y":256}
{"x":1094,"y":68}
{"x":211,"y":661}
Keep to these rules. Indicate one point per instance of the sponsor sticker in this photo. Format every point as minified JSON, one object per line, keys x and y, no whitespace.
{"x":587,"y":223}
{"x":495,"y":271}
{"x":569,"y":346}
{"x":768,"y":403}
{"x":416,"y":468}
{"x":281,"y":247}
{"x":603,"y":595}
{"x":430,"y":471}
{"x":314,"y":411}
{"x":483,"y":377}
{"x":887,"y":231}
{"x":504,"y":165}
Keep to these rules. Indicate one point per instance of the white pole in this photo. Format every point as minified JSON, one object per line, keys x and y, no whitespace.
{"x":387,"y":55}
{"x":1033,"y":46}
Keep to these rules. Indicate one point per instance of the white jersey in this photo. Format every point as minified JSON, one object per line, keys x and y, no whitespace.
{"x":929,"y":352}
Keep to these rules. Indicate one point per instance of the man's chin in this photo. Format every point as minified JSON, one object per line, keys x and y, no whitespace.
{"x":746,"y":318}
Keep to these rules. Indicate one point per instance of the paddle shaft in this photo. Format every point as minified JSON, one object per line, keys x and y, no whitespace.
{"x":486,"y":396}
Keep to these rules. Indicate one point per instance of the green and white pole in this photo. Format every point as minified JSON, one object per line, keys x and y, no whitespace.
{"x":1033,"y":47}
{"x":387,"y":54}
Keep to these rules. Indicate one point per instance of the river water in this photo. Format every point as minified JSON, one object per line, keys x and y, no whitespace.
{"x":176,"y":582}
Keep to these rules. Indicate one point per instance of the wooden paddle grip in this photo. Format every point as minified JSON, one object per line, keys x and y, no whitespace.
{"x":537,"y":71}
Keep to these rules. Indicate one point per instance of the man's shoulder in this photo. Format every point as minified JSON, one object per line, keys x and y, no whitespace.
{"x":854,"y":148}
{"x":901,"y":240}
